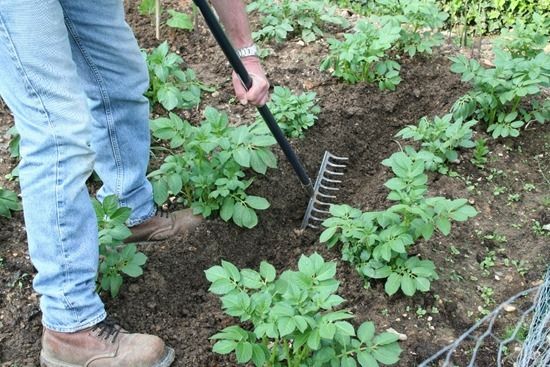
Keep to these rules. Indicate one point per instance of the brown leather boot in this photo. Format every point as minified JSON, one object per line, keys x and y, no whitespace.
{"x":104,"y":345}
{"x":164,"y":225}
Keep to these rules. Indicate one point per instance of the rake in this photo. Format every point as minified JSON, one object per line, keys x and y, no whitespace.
{"x":332,"y":166}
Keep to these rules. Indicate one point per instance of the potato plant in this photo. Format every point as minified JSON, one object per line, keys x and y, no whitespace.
{"x":377,"y":243}
{"x":8,"y":202}
{"x":294,"y":113}
{"x":282,"y":18}
{"x":291,"y":320}
{"x":441,"y":137}
{"x":115,"y":257}
{"x":209,"y":173}
{"x":419,"y":20}
{"x":364,"y":55}
{"x":171,"y":86}
{"x":525,"y":39}
{"x":500,"y":94}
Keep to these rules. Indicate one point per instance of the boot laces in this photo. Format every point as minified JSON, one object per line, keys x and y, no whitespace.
{"x":108,"y":329}
{"x":163,"y":213}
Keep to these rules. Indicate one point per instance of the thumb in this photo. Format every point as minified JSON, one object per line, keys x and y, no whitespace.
{"x":240,"y":90}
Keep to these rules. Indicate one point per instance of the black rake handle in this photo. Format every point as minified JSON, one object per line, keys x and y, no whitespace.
{"x":241,"y":71}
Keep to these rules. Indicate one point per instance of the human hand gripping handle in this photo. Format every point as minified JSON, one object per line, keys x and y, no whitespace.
{"x":255,"y":94}
{"x":257,"y":91}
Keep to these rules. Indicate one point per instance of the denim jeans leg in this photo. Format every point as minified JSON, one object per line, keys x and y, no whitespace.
{"x":40,"y":84}
{"x":109,"y":60}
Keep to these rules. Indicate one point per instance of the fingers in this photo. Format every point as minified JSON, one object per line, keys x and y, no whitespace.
{"x":258,"y":94}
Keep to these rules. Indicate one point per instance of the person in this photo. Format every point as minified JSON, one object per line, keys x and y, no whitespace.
{"x":72,"y":74}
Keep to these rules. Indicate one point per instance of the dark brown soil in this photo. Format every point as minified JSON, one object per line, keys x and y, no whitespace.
{"x":171,"y":298}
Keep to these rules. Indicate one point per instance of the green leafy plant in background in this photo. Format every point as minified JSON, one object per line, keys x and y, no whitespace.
{"x":176,"y":20}
{"x":489,"y":16}
{"x":115,"y":257}
{"x":292,"y":319}
{"x":419,"y":20}
{"x":525,"y":39}
{"x":294,"y":113}
{"x":8,"y":202}
{"x":171,"y":86}
{"x":441,"y":137}
{"x":377,"y":243}
{"x":282,"y":18}
{"x":363,"y":55}
{"x":500,"y":94}
{"x":209,"y":174}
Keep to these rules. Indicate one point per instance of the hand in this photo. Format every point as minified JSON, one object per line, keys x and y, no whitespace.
{"x":259,"y":93}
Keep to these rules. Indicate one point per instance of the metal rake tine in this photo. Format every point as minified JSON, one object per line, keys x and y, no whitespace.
{"x":326,"y":195}
{"x":329,"y":188}
{"x":336,"y":165}
{"x":330,"y":180}
{"x":337,"y":157}
{"x":320,"y":211}
{"x":333,"y":173}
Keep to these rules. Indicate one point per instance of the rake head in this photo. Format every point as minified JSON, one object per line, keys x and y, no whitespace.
{"x":332,"y":168}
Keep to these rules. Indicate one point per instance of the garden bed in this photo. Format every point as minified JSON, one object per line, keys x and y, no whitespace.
{"x":171,"y":299}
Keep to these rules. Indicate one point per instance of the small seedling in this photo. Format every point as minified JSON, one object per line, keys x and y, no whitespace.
{"x":499,"y":190}
{"x":529,"y":187}
{"x":479,"y":158}
{"x":513,"y":198}
{"x":8,"y":202}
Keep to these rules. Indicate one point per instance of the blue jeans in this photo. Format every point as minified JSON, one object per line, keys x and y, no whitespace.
{"x":73,"y":76}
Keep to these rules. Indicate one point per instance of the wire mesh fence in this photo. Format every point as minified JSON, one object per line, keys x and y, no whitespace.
{"x":503,"y":338}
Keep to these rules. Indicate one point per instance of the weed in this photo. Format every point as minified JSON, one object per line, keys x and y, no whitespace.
{"x":488,"y":262}
{"x":529,"y":187}
{"x":479,"y":158}
{"x":499,"y":190}
{"x":513,"y":198}
{"x":538,"y":229}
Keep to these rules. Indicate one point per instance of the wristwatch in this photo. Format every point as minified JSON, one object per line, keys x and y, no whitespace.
{"x":247,"y":51}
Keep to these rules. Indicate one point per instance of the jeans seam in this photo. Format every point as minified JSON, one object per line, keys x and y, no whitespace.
{"x":58,"y":171}
{"x":106,"y":106}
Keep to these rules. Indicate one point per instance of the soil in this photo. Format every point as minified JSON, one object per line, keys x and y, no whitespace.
{"x":171,"y":299}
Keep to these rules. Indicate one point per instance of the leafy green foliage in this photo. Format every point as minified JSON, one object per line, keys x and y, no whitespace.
{"x":441,"y":137}
{"x":209,"y":174}
{"x":293,"y":318}
{"x":377,"y":243}
{"x":363,"y":55}
{"x":294,"y":113}
{"x":115,"y":257}
{"x":179,"y":20}
{"x":281,"y":18}
{"x":14,"y":147}
{"x":419,"y":21}
{"x":499,"y":94}
{"x":489,"y":16}
{"x":171,"y":86}
{"x":8,"y":202}
{"x":146,"y":7}
{"x":481,"y":151}
{"x":525,"y":40}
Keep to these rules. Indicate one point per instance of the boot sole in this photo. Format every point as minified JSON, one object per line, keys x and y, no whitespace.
{"x":166,"y":360}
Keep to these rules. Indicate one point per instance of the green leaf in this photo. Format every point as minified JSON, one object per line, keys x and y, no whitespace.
{"x":242,"y":157}
{"x":132,"y":270}
{"x":366,"y":359}
{"x":251,"y":279}
{"x":345,"y":328}
{"x":249,"y":218}
{"x":257,"y":202}
{"x":232,"y":270}
{"x":327,"y":234}
{"x":386,"y":338}
{"x":224,"y":346}
{"x":216,"y":273}
{"x":392,"y":283}
{"x":243,"y":352}
{"x":366,"y":331}
{"x":226,"y":212}
{"x":179,"y":20}
{"x":386,"y":355}
{"x":348,"y":362}
{"x":259,"y":355}
{"x":407,"y":285}
{"x":221,"y":286}
{"x":267,"y":271}
{"x":327,"y":330}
